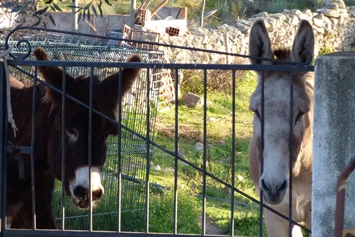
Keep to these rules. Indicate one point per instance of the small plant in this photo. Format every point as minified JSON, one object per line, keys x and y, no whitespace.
{"x":326,"y":50}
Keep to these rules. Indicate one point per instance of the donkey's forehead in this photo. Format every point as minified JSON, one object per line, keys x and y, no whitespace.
{"x":277,"y":93}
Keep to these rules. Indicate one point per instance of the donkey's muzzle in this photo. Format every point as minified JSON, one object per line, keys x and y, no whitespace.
{"x":274,"y":193}
{"x":81,"y":196}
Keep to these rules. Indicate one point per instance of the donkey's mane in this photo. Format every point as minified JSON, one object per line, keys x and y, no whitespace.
{"x":282,"y":54}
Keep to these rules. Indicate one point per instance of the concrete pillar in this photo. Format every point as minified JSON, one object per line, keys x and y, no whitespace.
{"x":334,"y":139}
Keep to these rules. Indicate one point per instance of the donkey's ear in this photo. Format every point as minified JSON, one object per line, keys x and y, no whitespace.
{"x":111,"y":83}
{"x":52,"y":75}
{"x":259,"y":43}
{"x":303,"y":44}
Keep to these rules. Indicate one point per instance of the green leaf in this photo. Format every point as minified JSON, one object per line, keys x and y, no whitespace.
{"x":84,"y":15}
{"x":108,"y":3}
{"x":99,"y":5}
{"x":48,"y":1}
{"x":37,"y":22}
{"x":88,"y":14}
{"x":94,"y":10}
{"x":57,"y":7}
{"x":9,"y":4}
{"x":16,"y":9}
{"x":40,"y":12}
{"x":79,"y":17}
{"x":87,"y":6}
{"x":52,"y":20}
{"x":71,"y":6}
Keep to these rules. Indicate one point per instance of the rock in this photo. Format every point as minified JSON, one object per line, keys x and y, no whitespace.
{"x":260,"y":15}
{"x":190,"y":99}
{"x":329,"y":12}
{"x":240,"y":178}
{"x":295,"y":21}
{"x":296,"y":12}
{"x":199,"y":146}
{"x":318,"y":20}
{"x":242,"y":27}
{"x":156,"y":167}
{"x":169,"y":169}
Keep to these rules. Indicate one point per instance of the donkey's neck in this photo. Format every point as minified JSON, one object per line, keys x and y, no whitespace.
{"x":22,"y":104}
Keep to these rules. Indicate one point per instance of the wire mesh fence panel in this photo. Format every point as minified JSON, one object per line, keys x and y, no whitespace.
{"x":134,"y":117}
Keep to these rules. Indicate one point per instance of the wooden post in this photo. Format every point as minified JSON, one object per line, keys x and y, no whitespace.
{"x":132,"y":18}
{"x":75,"y":16}
{"x":202,"y":12}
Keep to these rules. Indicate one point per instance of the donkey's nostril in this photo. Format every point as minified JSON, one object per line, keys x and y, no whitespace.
{"x":80,"y":191}
{"x":96,"y":195}
{"x":282,"y":187}
{"x":264,"y":186}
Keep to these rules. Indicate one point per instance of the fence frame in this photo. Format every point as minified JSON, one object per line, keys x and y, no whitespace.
{"x":175,"y":68}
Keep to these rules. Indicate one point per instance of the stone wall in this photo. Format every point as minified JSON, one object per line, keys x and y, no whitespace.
{"x":333,"y":25}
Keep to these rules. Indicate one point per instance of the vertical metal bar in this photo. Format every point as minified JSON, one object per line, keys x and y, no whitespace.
{"x":33,"y":140}
{"x":90,"y":144}
{"x":148,"y":147}
{"x":290,"y":146}
{"x":3,"y":148}
{"x":176,"y":151}
{"x":233,"y":150}
{"x":64,"y":82}
{"x":262,"y":151}
{"x":119,"y":149}
{"x":204,"y":151}
{"x":340,"y":198}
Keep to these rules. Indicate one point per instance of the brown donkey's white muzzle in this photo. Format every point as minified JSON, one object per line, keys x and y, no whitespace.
{"x":79,"y":187}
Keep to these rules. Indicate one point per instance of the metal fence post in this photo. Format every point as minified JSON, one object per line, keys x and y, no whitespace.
{"x":3,"y":124}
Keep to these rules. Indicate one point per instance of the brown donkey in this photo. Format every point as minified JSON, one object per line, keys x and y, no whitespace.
{"x":274,"y":180}
{"x":48,"y":140}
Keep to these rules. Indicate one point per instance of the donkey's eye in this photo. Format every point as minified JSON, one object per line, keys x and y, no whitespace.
{"x":299,"y":116}
{"x":73,"y":135}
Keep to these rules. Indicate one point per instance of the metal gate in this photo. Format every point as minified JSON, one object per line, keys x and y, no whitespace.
{"x":138,"y":182}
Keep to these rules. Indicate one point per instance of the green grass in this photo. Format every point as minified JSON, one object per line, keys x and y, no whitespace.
{"x":219,"y":153}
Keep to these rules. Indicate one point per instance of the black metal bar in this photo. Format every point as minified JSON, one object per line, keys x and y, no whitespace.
{"x":262,"y":121}
{"x":3,"y":149}
{"x":233,"y":150}
{"x":340,"y":198}
{"x":21,"y":149}
{"x":119,"y":146}
{"x":64,"y":82}
{"x":204,"y":165}
{"x":290,"y":147}
{"x":176,"y":167}
{"x":33,"y":140}
{"x":147,"y":139}
{"x":90,"y":149}
{"x":266,"y":68}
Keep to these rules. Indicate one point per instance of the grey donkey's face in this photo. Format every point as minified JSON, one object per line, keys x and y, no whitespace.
{"x":277,"y":117}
